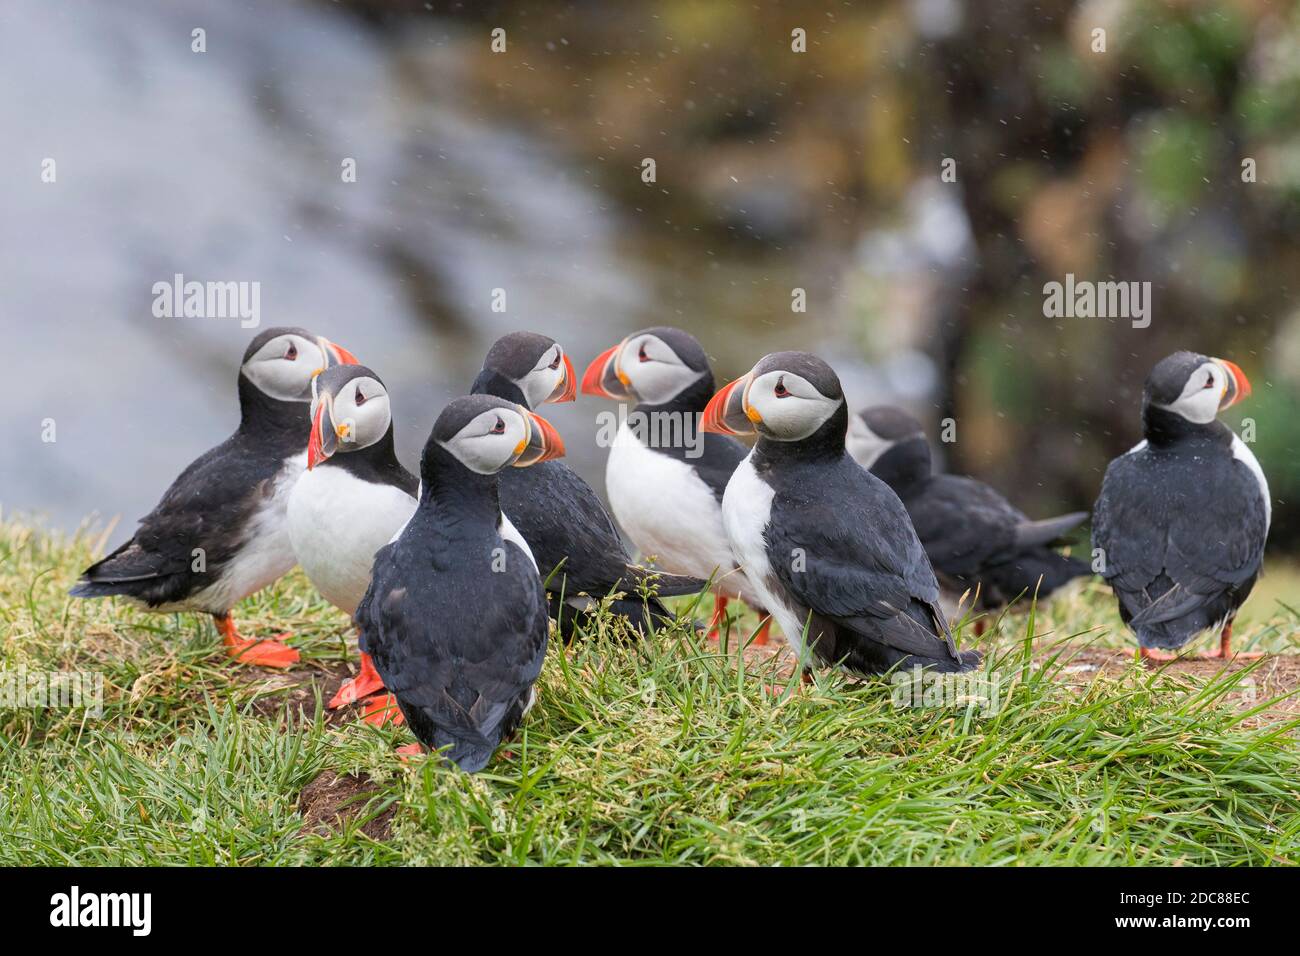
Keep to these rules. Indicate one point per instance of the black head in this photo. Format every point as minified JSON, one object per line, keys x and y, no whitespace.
{"x":653,"y":367}
{"x":482,"y":434}
{"x":889,"y":443}
{"x":350,"y":411}
{"x":1187,"y":390}
{"x":529,"y":368}
{"x":786,"y":397}
{"x":281,"y":361}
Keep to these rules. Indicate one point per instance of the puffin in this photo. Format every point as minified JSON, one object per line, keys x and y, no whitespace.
{"x":974,"y":537}
{"x":220,"y":532}
{"x":455,"y":616}
{"x":828,"y":547}
{"x":353,"y":499}
{"x":571,"y":535}
{"x":1180,"y":524}
{"x":665,"y":477}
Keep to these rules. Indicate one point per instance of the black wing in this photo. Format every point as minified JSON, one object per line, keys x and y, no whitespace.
{"x":844,"y":547}
{"x":207,"y":507}
{"x":462,"y":679}
{"x":1181,"y":550}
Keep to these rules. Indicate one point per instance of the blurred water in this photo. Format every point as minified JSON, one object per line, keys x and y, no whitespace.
{"x":225,"y":165}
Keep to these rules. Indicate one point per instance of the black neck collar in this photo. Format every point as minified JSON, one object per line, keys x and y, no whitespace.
{"x":825,"y":444}
{"x":285,"y":424}
{"x":904,"y":466}
{"x":490,"y":382}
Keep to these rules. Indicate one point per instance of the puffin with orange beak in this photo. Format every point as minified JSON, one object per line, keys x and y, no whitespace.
{"x":455,"y":615}
{"x":1180,"y":524}
{"x":354,"y":499}
{"x":665,"y":476}
{"x":220,"y":532}
{"x":572,"y":537}
{"x":828,"y":546}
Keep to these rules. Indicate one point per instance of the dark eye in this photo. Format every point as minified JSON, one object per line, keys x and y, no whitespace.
{"x":556,"y":362}
{"x":292,"y":353}
{"x":360,"y":399}
{"x":1209,"y":380}
{"x":781,"y":391}
{"x":499,"y":428}
{"x":641,"y":354}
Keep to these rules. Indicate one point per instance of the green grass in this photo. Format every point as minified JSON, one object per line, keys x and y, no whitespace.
{"x":667,"y":753}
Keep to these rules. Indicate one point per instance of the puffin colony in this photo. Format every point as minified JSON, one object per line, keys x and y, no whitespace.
{"x":828,"y":522}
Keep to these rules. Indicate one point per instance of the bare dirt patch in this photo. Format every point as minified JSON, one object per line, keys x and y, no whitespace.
{"x":333,"y":801}
{"x":293,"y":692}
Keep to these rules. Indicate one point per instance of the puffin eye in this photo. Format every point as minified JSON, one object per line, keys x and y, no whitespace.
{"x":641,"y":353}
{"x":359,"y":399}
{"x":292,"y":353}
{"x":781,"y":391}
{"x":555,"y":363}
{"x":499,"y":428}
{"x":1209,"y":380}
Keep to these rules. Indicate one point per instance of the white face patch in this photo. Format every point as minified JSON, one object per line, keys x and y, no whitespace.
{"x":541,"y":383}
{"x":790,"y":407}
{"x":864,"y":445}
{"x":361,"y":413}
{"x":283,"y":367}
{"x":491,"y":440}
{"x":1199,"y":402}
{"x":653,"y":369}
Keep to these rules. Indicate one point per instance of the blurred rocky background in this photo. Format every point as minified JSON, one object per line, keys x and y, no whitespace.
{"x":775,"y":170}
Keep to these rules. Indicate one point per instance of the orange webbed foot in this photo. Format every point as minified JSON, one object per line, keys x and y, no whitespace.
{"x":366,"y":682}
{"x":269,"y":653}
{"x":382,"y":709}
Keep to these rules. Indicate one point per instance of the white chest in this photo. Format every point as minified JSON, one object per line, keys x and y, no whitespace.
{"x":667,"y":511}
{"x":1241,"y":451}
{"x":337,"y":523}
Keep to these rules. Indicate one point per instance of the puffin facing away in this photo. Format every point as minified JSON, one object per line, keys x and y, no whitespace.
{"x":972,"y":535}
{"x":220,"y":532}
{"x":828,"y":546}
{"x":665,"y":477}
{"x":557,"y":512}
{"x":354,"y":499}
{"x":1182,"y":517}
{"x":455,"y":615}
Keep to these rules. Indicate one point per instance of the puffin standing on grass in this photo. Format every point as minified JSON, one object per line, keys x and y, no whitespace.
{"x":220,"y":532}
{"x":557,"y":512}
{"x":455,"y":615}
{"x":828,"y":546}
{"x":973,"y":536}
{"x":353,"y":499}
{"x":665,"y":477}
{"x":1182,"y":517}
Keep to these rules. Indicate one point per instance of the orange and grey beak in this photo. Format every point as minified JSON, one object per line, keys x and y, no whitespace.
{"x":542,"y":444}
{"x":567,"y":390}
{"x":336,"y":354}
{"x":604,"y":378}
{"x":1237,"y":387}
{"x":325,"y":434}
{"x":728,"y":413}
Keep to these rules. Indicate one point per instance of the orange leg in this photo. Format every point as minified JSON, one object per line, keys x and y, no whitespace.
{"x":1225,"y":648}
{"x":719,"y":615}
{"x":405,"y":754}
{"x":366,"y":682}
{"x":260,"y":653}
{"x":1155,"y":656}
{"x":761,"y":635}
{"x":382,"y":709}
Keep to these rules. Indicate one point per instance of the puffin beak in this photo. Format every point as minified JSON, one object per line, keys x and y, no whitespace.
{"x":567,"y":390}
{"x":1238,"y":386}
{"x":323,"y":441}
{"x":542,"y":444}
{"x":604,"y":379}
{"x":336,"y":354}
{"x":727,"y":412}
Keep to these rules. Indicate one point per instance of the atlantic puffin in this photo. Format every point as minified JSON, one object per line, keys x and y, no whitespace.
{"x":353,"y":499}
{"x":220,"y":532}
{"x":571,"y":535}
{"x":975,"y":539}
{"x":665,"y":477}
{"x":455,"y":615}
{"x":828,"y":547}
{"x":1181,"y":521}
